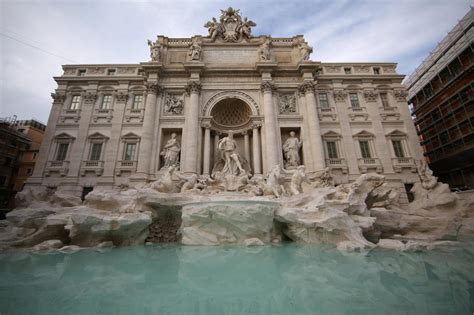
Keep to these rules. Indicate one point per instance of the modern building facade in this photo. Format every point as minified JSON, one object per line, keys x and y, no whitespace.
{"x":109,"y":123}
{"x":441,"y":92}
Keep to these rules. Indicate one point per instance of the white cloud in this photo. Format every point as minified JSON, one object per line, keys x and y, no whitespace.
{"x":116,"y":32}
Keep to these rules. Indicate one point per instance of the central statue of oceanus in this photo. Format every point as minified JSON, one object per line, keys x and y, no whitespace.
{"x":230,"y":162}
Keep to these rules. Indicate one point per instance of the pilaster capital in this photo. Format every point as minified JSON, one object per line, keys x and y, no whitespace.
{"x":244,"y":133}
{"x":153,"y":88}
{"x":193,"y":87}
{"x":306,"y":87}
{"x":267,"y":86}
{"x":256,"y":125}
{"x":121,"y":96}
{"x":400,"y":95}
{"x":90,"y":97}
{"x":58,"y":97}
{"x":206,"y":125}
{"x":370,"y":95}
{"x":339,"y":95}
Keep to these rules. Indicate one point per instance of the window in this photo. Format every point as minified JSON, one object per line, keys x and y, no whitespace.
{"x":376,"y":70}
{"x":332,"y":149}
{"x":455,"y":66}
{"x":76,"y":102}
{"x":323,"y":101}
{"x":106,"y":101}
{"x":347,"y":70}
{"x":62,"y":151}
{"x":111,"y":72}
{"x":398,"y":148}
{"x":428,"y":91}
{"x":81,"y":72}
{"x":365,"y":149}
{"x":445,"y":75}
{"x":137,"y":102}
{"x":29,"y":171}
{"x":34,"y":155}
{"x":384,"y":98}
{"x":354,"y":99}
{"x":129,"y":152}
{"x":96,"y":150}
{"x":8,"y":162}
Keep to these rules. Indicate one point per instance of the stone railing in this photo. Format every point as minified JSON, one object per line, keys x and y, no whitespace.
{"x":61,"y":167}
{"x":366,"y":164}
{"x":389,"y":112}
{"x":401,"y":163}
{"x":92,"y":166}
{"x":125,"y":166}
{"x":337,"y":163}
{"x":134,"y":115}
{"x":329,"y":112}
{"x":356,"y":112}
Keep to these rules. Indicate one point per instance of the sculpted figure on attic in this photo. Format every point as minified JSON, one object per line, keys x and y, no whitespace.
{"x":231,"y":27}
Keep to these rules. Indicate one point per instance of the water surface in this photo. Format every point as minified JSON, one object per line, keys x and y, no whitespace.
{"x":288,"y":279}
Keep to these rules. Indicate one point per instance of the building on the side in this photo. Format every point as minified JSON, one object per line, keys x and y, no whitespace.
{"x":12,"y":145}
{"x":441,"y":93}
{"x":121,"y":124}
{"x":34,"y":130}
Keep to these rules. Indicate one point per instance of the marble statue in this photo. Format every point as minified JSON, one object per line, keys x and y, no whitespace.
{"x":264,"y":50}
{"x":196,"y":50}
{"x":191,"y":183}
{"x":228,"y":148}
{"x":213,"y":28}
{"x":291,"y":148}
{"x":323,"y":178}
{"x":305,"y":50}
{"x":154,"y":50}
{"x":428,"y":181}
{"x":297,"y":178}
{"x":171,"y":151}
{"x":231,"y":27}
{"x":273,"y":184}
{"x":165,"y":183}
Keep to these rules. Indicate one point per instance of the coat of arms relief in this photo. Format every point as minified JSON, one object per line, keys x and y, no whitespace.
{"x":230,"y":27}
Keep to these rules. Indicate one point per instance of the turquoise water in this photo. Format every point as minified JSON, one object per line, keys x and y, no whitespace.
{"x":287,"y":279}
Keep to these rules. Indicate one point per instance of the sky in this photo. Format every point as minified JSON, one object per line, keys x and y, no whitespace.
{"x":37,"y":37}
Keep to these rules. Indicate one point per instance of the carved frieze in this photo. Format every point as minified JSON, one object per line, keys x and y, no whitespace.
{"x":121,"y":97}
{"x":388,"y":69}
{"x":69,"y":71}
{"x":90,"y":98}
{"x":332,"y":69}
{"x":96,"y":70}
{"x":126,"y":70}
{"x":287,"y":103}
{"x":306,"y":87}
{"x":370,"y":96}
{"x":400,"y":95}
{"x":362,"y":69}
{"x":340,"y":95}
{"x":174,"y":105}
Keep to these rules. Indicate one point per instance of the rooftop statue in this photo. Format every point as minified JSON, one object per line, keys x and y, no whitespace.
{"x":231,"y":27}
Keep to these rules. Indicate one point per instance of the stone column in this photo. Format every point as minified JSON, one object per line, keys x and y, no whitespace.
{"x":216,"y":151}
{"x":314,"y":137}
{"x":256,"y":149}
{"x":246,"y":146}
{"x":207,"y":149}
{"x":191,"y":129}
{"x":270,"y":123}
{"x":146,"y":142}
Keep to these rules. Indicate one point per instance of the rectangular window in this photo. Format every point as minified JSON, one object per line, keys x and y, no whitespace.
{"x":347,"y":70}
{"x":376,"y":70}
{"x":129,"y":153}
{"x":323,"y":100}
{"x":96,"y":150}
{"x":111,"y":72}
{"x":76,"y":102}
{"x":62,"y":151}
{"x":398,"y":148}
{"x":106,"y":102}
{"x":332,"y":149}
{"x":3,"y":179}
{"x":384,"y":98}
{"x":81,"y":73}
{"x":365,"y":149}
{"x":354,"y":99}
{"x":137,"y":102}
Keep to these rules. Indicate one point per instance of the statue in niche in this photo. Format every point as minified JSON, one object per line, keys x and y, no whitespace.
{"x":196,"y":50}
{"x":297,"y":178}
{"x":291,"y":148}
{"x":154,"y":51}
{"x":170,"y":152}
{"x":264,"y":50}
{"x":232,"y":160}
{"x":173,"y":105}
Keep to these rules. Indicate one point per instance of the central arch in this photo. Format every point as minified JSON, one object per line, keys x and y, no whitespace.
{"x":216,"y":98}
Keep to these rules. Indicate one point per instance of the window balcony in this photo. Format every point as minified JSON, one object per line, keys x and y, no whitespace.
{"x":369,"y":164}
{"x":358,"y":112}
{"x":101,"y":114}
{"x":337,"y":163}
{"x":134,"y":114}
{"x":61,"y":167}
{"x":403,"y":163}
{"x":70,"y":114}
{"x":389,"y":112}
{"x":96,"y":167}
{"x":327,"y":112}
{"x":125,"y":166}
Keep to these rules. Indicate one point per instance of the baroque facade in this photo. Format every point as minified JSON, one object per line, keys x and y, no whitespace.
{"x":226,"y":102}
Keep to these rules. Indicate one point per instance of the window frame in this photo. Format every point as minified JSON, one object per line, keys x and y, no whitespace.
{"x":106,"y":100}
{"x":324,"y":104}
{"x":356,"y":99}
{"x":134,"y":101}
{"x":75,"y":105}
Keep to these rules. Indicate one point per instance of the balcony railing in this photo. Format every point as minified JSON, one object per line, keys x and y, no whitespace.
{"x":400,"y":163}
{"x":356,"y":112}
{"x":327,"y":112}
{"x":96,"y":167}
{"x":125,"y":166}
{"x":337,"y":163}
{"x":389,"y":112}
{"x":61,"y":167}
{"x":366,"y":164}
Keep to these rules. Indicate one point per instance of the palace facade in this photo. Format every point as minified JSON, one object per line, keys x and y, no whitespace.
{"x":109,"y":123}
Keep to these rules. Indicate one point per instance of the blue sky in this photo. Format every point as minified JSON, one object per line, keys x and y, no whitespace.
{"x":107,"y":31}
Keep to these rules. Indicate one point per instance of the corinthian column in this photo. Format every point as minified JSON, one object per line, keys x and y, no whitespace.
{"x":191,"y":129}
{"x":270,"y":123}
{"x":207,"y":149}
{"x":314,"y":137}
{"x":256,"y":149}
{"x":146,"y":142}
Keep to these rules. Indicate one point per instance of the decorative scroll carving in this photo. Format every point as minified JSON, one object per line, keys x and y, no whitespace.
{"x":287,"y":103}
{"x":400,"y":95}
{"x":154,"y":51}
{"x":230,"y":27}
{"x":153,"y":88}
{"x":90,"y":98}
{"x":370,"y":96}
{"x":174,"y":105}
{"x":340,"y":95}
{"x":58,"y":98}
{"x":268,"y":86}
{"x":193,"y":87}
{"x":121,"y":97}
